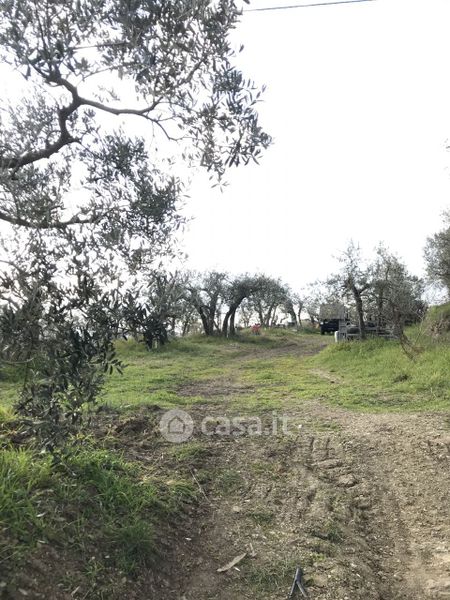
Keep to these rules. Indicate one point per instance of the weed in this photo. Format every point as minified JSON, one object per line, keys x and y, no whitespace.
{"x":270,"y":577}
{"x":228,"y":480}
{"x":192,"y":453}
{"x":134,"y":544}
{"x":261,"y":517}
{"x":22,"y":483}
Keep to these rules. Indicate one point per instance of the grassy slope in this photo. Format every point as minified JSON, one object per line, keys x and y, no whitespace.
{"x":103,"y":513}
{"x":376,"y":375}
{"x":162,"y":377}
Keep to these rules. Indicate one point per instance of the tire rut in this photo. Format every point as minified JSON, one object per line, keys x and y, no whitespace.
{"x":362,"y":507}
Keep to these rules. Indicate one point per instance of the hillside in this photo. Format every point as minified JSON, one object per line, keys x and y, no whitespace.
{"x":355,"y":492}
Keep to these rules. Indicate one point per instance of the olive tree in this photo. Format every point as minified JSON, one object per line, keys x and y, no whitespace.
{"x":267,"y":298}
{"x":437,"y":255}
{"x":238,"y":289}
{"x":151,"y":311}
{"x":352,"y":282}
{"x":111,"y":95}
{"x":293,"y":304}
{"x":205,"y":292}
{"x":395,"y":295}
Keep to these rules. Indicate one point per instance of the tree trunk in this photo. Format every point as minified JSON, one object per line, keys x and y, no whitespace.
{"x":186,"y":327}
{"x":225,"y":323}
{"x":211,"y":314}
{"x":359,"y":312}
{"x":260,"y":315}
{"x":228,"y":327}
{"x":228,"y":322}
{"x":271,"y":315}
{"x":232,"y":327}
{"x":380,"y":311}
{"x":294,"y":317}
{"x":205,"y":322}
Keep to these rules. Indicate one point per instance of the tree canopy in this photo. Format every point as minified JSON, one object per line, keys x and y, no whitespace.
{"x":111,"y":102}
{"x":437,"y":254}
{"x":164,"y":69}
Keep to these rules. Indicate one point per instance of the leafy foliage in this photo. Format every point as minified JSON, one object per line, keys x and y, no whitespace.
{"x":88,"y":202}
{"x":380,"y":290}
{"x":269,"y":296}
{"x":437,"y":255}
{"x":62,"y":339}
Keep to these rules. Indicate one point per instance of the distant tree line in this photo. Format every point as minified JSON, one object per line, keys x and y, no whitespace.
{"x":380,"y":291}
{"x":169,"y":304}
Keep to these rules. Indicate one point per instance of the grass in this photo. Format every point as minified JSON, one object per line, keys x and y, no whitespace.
{"x":438,"y":320}
{"x":228,"y":481}
{"x":22,"y":480}
{"x":376,"y":375}
{"x":155,"y":378}
{"x":270,"y":577}
{"x":94,"y":497}
{"x":159,"y":377}
{"x":191,"y":453}
{"x":261,"y":517}
{"x":10,"y":379}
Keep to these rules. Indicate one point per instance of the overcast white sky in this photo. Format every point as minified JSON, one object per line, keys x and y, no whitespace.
{"x":358,"y":102}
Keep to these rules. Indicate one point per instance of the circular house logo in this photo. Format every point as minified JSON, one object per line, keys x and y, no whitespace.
{"x":176,"y":426}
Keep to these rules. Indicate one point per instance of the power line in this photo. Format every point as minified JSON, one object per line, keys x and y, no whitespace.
{"x":306,"y":5}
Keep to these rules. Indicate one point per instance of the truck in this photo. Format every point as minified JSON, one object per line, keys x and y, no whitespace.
{"x":331,"y":317}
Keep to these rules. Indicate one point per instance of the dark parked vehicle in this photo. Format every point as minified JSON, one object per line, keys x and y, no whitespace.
{"x":329,"y":326}
{"x":371,"y":329}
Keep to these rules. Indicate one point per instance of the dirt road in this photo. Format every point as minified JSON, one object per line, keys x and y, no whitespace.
{"x":360,"y":501}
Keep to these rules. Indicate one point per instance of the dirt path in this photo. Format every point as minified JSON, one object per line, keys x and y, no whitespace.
{"x":360,"y":501}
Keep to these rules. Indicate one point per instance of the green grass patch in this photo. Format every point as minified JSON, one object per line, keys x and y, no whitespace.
{"x":261,"y":517}
{"x":158,"y":377}
{"x":377,"y":375}
{"x":6,"y":414}
{"x":191,"y":453}
{"x":270,"y":577}
{"x":437,"y":321}
{"x":11,"y":379}
{"x":94,"y":497}
{"x":228,"y":481}
{"x":22,"y":482}
{"x":374,"y":375}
